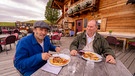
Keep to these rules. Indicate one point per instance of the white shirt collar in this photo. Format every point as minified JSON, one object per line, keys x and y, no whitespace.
{"x":42,"y":45}
{"x":90,"y":39}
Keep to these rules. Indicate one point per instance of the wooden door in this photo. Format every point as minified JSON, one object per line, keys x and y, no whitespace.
{"x":79,"y":24}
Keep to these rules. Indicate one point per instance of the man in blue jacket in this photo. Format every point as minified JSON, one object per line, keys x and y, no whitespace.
{"x":32,"y":50}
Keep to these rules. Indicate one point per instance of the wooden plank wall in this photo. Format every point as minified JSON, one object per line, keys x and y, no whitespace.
{"x":120,"y":17}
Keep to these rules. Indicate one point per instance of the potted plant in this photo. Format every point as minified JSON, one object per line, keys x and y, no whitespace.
{"x":70,"y":11}
{"x":88,"y":3}
{"x":82,"y":5}
{"x":77,"y":8}
{"x":110,"y":32}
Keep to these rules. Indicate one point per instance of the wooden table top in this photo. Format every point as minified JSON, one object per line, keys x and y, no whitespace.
{"x":3,"y":35}
{"x":118,"y":34}
{"x":88,"y":68}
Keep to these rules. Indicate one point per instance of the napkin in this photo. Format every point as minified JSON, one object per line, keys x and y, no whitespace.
{"x":52,"y":69}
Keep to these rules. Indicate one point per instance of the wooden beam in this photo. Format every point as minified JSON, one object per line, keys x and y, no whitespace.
{"x":65,"y":2}
{"x":59,"y":3}
{"x":55,"y":6}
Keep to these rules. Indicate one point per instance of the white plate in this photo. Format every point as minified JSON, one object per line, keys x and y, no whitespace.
{"x":99,"y":56}
{"x":60,"y":55}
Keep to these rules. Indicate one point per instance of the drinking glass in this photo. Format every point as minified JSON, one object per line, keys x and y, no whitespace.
{"x":71,"y":69}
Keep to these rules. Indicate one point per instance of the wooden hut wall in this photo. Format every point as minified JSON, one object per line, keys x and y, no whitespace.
{"x":115,"y":15}
{"x":120,"y":17}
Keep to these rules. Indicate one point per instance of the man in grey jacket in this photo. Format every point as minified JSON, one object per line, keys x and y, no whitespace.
{"x":92,"y":41}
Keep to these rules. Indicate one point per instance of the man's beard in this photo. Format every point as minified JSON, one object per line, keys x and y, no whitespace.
{"x":39,"y":37}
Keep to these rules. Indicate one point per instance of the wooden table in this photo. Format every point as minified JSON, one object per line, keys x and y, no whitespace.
{"x":87,"y":68}
{"x":120,"y":36}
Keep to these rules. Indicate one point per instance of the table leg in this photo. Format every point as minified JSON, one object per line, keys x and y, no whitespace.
{"x":124,"y":44}
{"x":1,"y":48}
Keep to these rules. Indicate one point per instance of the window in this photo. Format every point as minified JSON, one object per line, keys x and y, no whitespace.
{"x":85,"y":22}
{"x":98,"y":23}
{"x":79,"y":24}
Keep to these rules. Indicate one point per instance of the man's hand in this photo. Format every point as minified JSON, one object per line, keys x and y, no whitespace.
{"x":45,"y":56}
{"x":73,"y":52}
{"x":110,"y":59}
{"x":57,"y":49}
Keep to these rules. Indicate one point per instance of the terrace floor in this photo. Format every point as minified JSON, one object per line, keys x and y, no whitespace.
{"x":7,"y":68}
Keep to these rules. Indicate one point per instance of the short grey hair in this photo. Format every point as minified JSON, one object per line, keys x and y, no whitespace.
{"x":94,"y":21}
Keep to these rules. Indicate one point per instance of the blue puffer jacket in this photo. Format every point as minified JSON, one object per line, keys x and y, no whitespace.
{"x":28,"y":54}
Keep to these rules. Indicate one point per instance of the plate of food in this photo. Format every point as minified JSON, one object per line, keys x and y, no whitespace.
{"x":59,"y":60}
{"x":92,"y":56}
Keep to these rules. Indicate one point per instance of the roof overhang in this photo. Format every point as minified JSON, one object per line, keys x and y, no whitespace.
{"x":57,"y":4}
{"x":131,"y":1}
